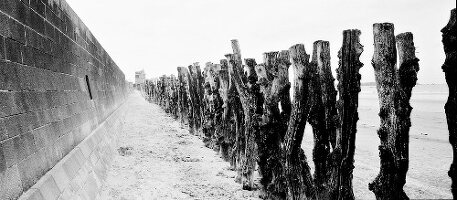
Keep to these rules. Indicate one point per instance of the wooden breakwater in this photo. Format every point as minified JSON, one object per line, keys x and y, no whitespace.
{"x":243,"y":110}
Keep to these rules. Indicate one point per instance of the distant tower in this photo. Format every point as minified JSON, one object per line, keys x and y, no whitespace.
{"x":140,"y":79}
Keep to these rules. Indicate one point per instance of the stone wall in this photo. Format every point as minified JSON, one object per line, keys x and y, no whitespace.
{"x":57,"y":86}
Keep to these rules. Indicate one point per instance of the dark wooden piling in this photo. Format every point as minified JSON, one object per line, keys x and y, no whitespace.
{"x":450,"y":69}
{"x":273,"y":80}
{"x":196,"y":85}
{"x":323,"y":113}
{"x":212,"y":107}
{"x":248,"y":103}
{"x":227,"y":139}
{"x":183,"y":110}
{"x":348,"y":89}
{"x":296,"y":169}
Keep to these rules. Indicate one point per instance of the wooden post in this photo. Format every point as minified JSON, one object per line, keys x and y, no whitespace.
{"x":189,"y":98}
{"x":297,"y":172}
{"x":450,"y":70}
{"x":160,"y":85}
{"x":248,"y":102}
{"x":208,"y":113}
{"x":182,"y":97}
{"x":197,"y":95}
{"x":163,"y":91}
{"x":394,"y":91}
{"x":174,"y":96}
{"x":212,"y":106}
{"x":284,"y":95}
{"x":218,"y":135}
{"x":273,"y":79}
{"x":348,"y":87}
{"x":235,"y":133}
{"x":323,"y":113}
{"x":148,"y":90}
{"x":167,"y":94}
{"x":227,"y":141}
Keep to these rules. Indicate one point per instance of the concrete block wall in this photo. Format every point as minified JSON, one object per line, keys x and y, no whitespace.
{"x":57,"y":86}
{"x":82,"y":173}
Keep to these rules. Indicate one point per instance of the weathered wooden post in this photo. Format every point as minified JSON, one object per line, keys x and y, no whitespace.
{"x":158,"y":93}
{"x":218,"y":136}
{"x":273,"y":79}
{"x":174,"y":96}
{"x":450,"y":70}
{"x":152,"y":90}
{"x":208,"y":112}
{"x":212,"y":106}
{"x":189,"y":98}
{"x":323,"y":114}
{"x":155,"y":91}
{"x":226,"y":140}
{"x":163,"y":85}
{"x":234,"y":120}
{"x":182,"y":97}
{"x":296,"y":170}
{"x":248,"y":102}
{"x":394,"y":91}
{"x":168,"y":94}
{"x":348,"y":88}
{"x":147,"y":89}
{"x":252,"y":83}
{"x":197,"y":96}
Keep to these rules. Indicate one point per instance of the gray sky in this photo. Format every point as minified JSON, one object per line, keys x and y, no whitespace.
{"x":159,"y":35}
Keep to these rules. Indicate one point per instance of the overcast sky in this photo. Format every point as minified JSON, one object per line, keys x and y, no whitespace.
{"x":159,"y":35}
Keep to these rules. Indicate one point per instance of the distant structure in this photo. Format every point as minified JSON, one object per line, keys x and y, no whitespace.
{"x":140,"y":80}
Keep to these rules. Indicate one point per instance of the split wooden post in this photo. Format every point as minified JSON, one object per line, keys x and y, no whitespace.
{"x":394,"y":91}
{"x":450,"y":69}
